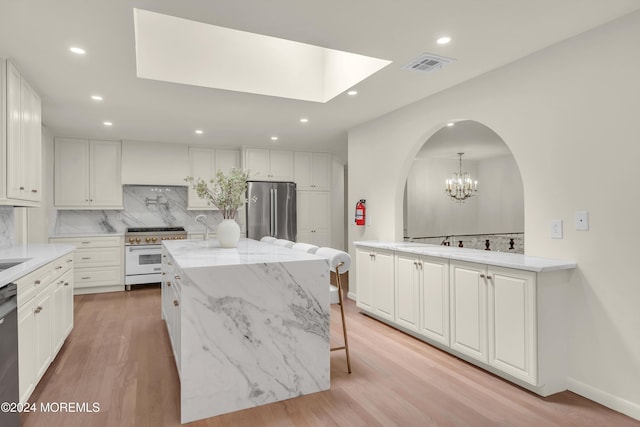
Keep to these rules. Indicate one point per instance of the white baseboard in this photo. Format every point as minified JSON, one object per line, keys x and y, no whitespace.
{"x":351,"y":295}
{"x":607,"y":399}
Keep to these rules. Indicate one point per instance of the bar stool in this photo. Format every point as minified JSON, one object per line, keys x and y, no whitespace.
{"x":339,"y":261}
{"x":305,"y":247}
{"x":284,"y":243}
{"x":268,"y":239}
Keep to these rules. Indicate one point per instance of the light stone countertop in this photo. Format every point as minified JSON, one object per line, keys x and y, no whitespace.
{"x":35,"y":255}
{"x":80,"y":235}
{"x":499,"y":259}
{"x":201,"y":253}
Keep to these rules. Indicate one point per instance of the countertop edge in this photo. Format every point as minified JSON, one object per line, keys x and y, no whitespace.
{"x":39,"y":253}
{"x":498,"y":259}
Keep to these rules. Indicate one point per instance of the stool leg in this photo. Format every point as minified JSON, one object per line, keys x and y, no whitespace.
{"x":344,"y":325}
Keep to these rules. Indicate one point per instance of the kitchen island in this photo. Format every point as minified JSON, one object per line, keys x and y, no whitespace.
{"x":248,"y":325}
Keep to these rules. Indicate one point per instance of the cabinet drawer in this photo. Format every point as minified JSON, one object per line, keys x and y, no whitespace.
{"x":89,"y":278}
{"x":89,"y":242}
{"x":28,"y":286}
{"x":97,"y":257}
{"x":61,"y":266}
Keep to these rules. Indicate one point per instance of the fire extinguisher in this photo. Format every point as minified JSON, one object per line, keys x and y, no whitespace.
{"x":360,"y":211}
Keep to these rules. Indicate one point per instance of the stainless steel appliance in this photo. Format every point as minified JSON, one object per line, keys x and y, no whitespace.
{"x":142,"y":247}
{"x":271,"y":210}
{"x":9,"y":387}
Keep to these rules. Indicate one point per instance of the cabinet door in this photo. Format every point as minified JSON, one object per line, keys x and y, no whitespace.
{"x":512,"y":320}
{"x":68,"y":307}
{"x":384,"y":285}
{"x":43,"y":331}
{"x":15,"y":186}
{"x":105,"y":174}
{"x":407,"y":291}
{"x":33,"y":149}
{"x":257,"y":163}
{"x":434,"y":299}
{"x":302,"y":164}
{"x":281,"y":165}
{"x":313,"y":217}
{"x":364,"y":278}
{"x":26,"y":350}
{"x":321,"y":171}
{"x":71,"y":172}
{"x":225,"y":160}
{"x":59,"y":312}
{"x":201,"y":164}
{"x":469,"y":310}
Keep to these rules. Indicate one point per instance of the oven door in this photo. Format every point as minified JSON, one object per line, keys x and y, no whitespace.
{"x":143,"y":264}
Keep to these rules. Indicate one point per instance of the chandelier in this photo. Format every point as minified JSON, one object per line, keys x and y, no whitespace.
{"x":460,"y":186}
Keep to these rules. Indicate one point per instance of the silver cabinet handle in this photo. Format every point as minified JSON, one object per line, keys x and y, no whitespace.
{"x":168,"y":283}
{"x":37,"y":282}
{"x":178,"y":278}
{"x":38,"y":309}
{"x":86,"y":257}
{"x":176,"y":302}
{"x":489,"y":277}
{"x":86,"y":277}
{"x":66,"y":283}
{"x":482,"y":276}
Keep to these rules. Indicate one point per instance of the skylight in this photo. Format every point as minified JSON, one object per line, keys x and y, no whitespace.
{"x":182,"y":51}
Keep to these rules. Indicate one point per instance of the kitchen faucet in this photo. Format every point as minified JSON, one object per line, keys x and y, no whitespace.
{"x":206,"y":227}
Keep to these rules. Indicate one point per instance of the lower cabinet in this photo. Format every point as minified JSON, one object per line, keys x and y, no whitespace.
{"x":45,"y":319}
{"x":375,"y":272}
{"x":171,"y":305}
{"x":99,"y":263}
{"x":506,"y":320}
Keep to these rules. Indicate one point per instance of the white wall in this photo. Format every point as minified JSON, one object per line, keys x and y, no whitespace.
{"x":569,"y":115}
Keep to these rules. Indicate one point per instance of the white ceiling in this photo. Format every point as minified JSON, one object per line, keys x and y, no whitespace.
{"x":486,"y":34}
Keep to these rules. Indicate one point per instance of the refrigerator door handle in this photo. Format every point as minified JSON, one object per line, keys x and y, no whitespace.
{"x":271,"y":216}
{"x":275,"y":212}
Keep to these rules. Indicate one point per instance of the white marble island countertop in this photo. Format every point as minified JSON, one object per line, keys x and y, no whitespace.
{"x":500,"y":259}
{"x":253,"y":324}
{"x":208,"y":253}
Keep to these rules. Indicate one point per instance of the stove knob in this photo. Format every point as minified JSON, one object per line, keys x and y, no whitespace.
{"x":148,"y":239}
{"x":153,"y":239}
{"x":131,"y":240}
{"x":181,"y":237}
{"x":137,"y":240}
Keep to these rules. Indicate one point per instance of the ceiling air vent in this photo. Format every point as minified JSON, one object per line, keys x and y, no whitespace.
{"x":428,"y":62}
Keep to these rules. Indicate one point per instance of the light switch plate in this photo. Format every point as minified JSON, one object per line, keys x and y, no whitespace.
{"x":582,"y":220}
{"x":556,"y":229}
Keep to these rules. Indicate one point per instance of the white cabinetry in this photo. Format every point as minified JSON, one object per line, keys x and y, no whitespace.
{"x":375,"y":273}
{"x":45,"y":319}
{"x":171,"y":304}
{"x":99,"y":263}
{"x":493,"y":317}
{"x":312,"y":171}
{"x":154,"y":163}
{"x":269,"y":165}
{"x":21,"y":140}
{"x":87,"y":174}
{"x":313,"y":217}
{"x":205,"y":163}
{"x":509,"y":321}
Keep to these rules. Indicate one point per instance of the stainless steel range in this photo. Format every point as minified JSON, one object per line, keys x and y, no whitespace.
{"x":143,"y":258}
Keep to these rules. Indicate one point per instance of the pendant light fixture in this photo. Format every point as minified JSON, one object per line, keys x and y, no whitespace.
{"x":461,"y":186}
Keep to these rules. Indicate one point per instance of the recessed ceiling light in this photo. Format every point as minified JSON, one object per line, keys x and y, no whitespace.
{"x":304,"y":120}
{"x":443,"y":40}
{"x":450,"y":124}
{"x":274,"y":138}
{"x":96,"y":97}
{"x":107,"y":123}
{"x":77,"y":50}
{"x":199,"y":131}
{"x":352,"y":92}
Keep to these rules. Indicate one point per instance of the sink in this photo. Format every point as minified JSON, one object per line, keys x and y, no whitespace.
{"x":6,"y":264}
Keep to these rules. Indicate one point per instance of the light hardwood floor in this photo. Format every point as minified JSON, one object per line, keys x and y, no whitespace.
{"x":119,"y":356}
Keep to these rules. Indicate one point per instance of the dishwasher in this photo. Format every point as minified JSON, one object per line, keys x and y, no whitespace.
{"x":9,"y":388}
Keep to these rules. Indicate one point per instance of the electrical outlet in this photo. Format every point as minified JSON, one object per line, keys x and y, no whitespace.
{"x":582,"y":220}
{"x":556,"y":229}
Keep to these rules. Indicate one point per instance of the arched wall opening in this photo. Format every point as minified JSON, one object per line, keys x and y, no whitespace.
{"x":492,"y":218}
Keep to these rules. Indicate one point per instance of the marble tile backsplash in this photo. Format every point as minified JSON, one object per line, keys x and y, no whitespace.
{"x":7,"y":227}
{"x":144,"y":206}
{"x":497,"y":242}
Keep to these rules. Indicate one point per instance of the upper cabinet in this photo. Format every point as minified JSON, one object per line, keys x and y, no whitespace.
{"x":21,"y":148}
{"x":312,"y":171}
{"x":154,"y":163}
{"x":205,"y":163}
{"x":87,"y":174}
{"x":269,"y":165}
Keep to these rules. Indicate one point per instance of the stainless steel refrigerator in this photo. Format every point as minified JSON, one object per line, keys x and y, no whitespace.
{"x":271,"y":210}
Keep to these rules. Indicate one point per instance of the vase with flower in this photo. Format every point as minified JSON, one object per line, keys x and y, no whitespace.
{"x":227,"y":193}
